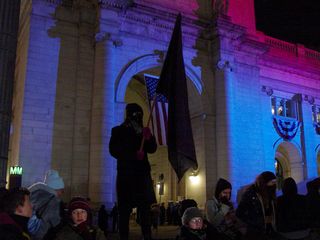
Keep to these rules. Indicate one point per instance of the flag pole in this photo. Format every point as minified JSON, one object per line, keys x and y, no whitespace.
{"x":149,"y":119}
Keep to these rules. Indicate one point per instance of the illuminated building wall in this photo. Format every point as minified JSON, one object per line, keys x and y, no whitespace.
{"x":86,"y":61}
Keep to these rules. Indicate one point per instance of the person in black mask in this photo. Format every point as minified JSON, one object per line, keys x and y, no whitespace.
{"x":257,"y":207}
{"x":134,"y":182}
{"x":220,"y":214}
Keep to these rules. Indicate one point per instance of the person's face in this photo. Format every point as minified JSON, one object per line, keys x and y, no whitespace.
{"x":196,"y":223}
{"x":79,"y":216}
{"x":59,"y":192}
{"x":25,"y":209}
{"x":137,"y":117}
{"x":226,"y":193}
{"x":272,"y":183}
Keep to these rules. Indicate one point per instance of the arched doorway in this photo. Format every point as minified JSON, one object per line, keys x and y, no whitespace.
{"x":288,"y":162}
{"x":135,"y":91}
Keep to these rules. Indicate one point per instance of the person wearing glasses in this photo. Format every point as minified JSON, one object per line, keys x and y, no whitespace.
{"x":192,"y":227}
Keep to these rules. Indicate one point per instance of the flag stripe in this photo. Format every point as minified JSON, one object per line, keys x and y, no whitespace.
{"x":160,"y":112}
{"x":165,"y":120}
{"x":158,"y":123}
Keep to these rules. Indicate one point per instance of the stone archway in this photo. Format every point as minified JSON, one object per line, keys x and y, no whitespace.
{"x":141,"y":64}
{"x":289,"y":156}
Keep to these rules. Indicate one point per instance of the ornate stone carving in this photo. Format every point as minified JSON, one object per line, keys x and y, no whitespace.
{"x":161,"y":55}
{"x":267,"y":90}
{"x":224,"y":65}
{"x":309,"y":99}
{"x":104,"y":36}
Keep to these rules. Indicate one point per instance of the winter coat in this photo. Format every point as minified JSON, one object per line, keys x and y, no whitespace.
{"x":216,"y":211}
{"x":134,"y":182}
{"x":292,"y":219}
{"x":13,"y":227}
{"x":189,"y":234}
{"x":47,"y":207}
{"x":69,"y":232}
{"x":222,"y":218}
{"x":313,"y":206}
{"x":251,"y":210}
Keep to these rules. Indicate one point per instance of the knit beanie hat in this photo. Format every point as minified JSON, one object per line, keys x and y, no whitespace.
{"x":53,"y":180}
{"x":190,"y":213}
{"x":79,"y":203}
{"x":267,"y":176}
{"x":222,"y":184}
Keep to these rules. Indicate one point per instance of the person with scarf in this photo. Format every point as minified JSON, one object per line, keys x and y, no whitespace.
{"x":134,"y":182}
{"x":16,"y":209}
{"x":79,"y":226}
{"x":192,"y":227}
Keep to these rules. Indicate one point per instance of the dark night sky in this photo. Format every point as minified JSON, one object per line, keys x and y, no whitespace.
{"x":296,"y":21}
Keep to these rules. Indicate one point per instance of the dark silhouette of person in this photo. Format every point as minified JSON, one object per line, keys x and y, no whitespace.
{"x":134,"y":182}
{"x":103,"y":219}
{"x":115,"y":218}
{"x":162,"y":214}
{"x":292,"y":220}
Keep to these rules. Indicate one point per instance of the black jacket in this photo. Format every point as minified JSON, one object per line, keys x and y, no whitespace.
{"x":134,"y":182}
{"x":292,"y":214}
{"x":13,"y":227}
{"x":251,"y":210}
{"x":188,"y":234}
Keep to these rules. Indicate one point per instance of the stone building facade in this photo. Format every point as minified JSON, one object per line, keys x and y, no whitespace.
{"x":254,"y":100}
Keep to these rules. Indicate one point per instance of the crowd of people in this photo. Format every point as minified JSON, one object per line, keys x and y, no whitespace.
{"x":261,"y":214}
{"x":39,"y":213}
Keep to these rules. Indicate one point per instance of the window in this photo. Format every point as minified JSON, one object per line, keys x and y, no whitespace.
{"x":283,"y":107}
{"x":316,"y":114}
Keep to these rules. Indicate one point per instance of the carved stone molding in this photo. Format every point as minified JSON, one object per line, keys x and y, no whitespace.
{"x":224,"y":65}
{"x":104,"y":36}
{"x":161,"y":55}
{"x":267,"y":90}
{"x":309,"y":99}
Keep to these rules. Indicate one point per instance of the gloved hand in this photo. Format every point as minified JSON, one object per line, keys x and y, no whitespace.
{"x":140,"y":155}
{"x":146,"y":132}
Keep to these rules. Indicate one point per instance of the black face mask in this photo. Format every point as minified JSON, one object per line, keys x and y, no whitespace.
{"x":136,"y":117}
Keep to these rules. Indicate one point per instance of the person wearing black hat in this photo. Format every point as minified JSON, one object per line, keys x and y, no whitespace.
{"x":134,"y":182}
{"x":257,"y":207}
{"x":220,"y":212}
{"x":79,"y":226}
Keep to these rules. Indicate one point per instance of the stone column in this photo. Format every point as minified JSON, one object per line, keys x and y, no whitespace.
{"x":9,"y":23}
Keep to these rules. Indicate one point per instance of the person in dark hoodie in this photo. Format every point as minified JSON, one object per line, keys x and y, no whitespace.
{"x":257,"y":207}
{"x":16,"y":211}
{"x":134,"y":182}
{"x":220,"y":213}
{"x":292,"y":215}
{"x":313,"y":205}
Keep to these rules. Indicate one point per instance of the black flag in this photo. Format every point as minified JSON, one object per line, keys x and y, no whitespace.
{"x":173,"y":84}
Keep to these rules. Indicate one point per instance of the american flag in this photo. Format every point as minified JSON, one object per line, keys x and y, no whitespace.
{"x":160,"y":111}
